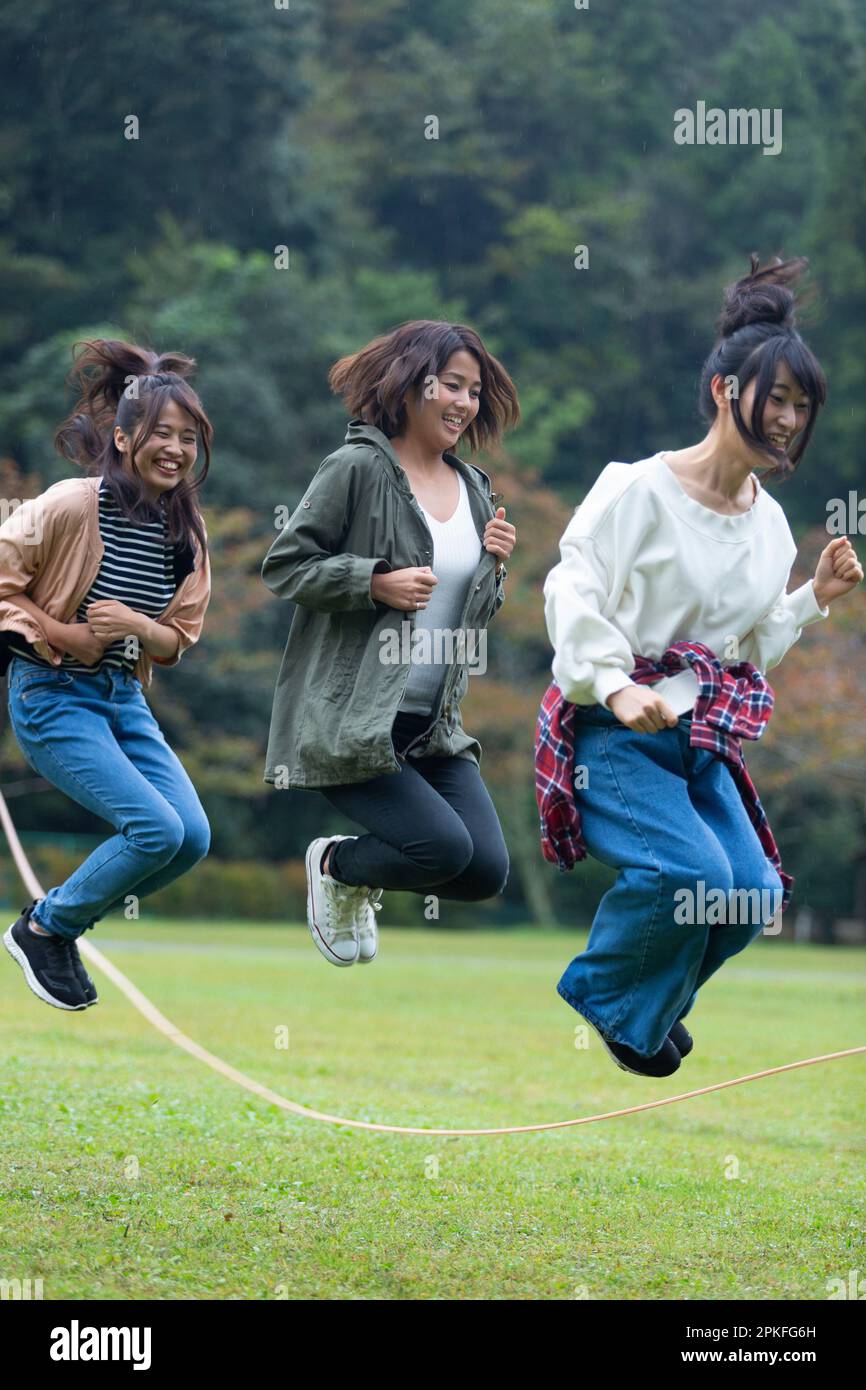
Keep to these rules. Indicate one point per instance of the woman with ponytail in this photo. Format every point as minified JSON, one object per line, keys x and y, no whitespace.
{"x":666,"y":609}
{"x":102,"y":576}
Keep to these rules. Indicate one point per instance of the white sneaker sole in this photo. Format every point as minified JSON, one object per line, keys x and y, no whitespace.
{"x":317,"y":847}
{"x":39,"y":990}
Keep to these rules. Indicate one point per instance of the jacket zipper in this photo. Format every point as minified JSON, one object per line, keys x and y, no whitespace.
{"x":401,"y":757}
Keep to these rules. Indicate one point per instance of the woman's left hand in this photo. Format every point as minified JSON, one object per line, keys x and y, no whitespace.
{"x":838,"y":571}
{"x":112,"y":620}
{"x":500,"y":537}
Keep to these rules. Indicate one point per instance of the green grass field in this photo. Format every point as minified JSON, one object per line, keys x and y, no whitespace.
{"x":129,"y":1170}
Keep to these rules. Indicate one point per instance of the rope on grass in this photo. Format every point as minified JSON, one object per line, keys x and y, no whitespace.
{"x":150,"y":1012}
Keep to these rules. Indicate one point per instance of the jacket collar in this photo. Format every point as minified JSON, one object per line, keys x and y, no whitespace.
{"x":360,"y":432}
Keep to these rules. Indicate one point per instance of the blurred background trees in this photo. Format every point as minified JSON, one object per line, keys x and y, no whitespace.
{"x":305,"y":127}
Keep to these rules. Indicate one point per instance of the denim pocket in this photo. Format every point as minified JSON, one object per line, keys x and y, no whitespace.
{"x":27,"y":684}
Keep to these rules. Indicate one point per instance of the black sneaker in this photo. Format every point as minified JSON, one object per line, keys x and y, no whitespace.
{"x":47,"y":964}
{"x":81,"y":974}
{"x":661,"y":1063}
{"x":681,"y":1038}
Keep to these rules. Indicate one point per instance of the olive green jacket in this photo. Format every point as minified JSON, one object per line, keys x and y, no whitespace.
{"x":336,"y":697}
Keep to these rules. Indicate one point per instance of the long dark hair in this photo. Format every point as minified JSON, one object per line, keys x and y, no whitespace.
{"x":103,"y":375}
{"x":375,"y":381}
{"x":756,"y":332}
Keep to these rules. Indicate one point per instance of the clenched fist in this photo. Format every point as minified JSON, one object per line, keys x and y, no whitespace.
{"x":408,"y":589}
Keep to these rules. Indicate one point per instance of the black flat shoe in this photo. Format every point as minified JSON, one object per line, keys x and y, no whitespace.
{"x":681,"y":1038}
{"x":661,"y":1063}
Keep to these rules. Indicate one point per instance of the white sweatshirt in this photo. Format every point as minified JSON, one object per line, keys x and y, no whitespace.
{"x":644,"y":565}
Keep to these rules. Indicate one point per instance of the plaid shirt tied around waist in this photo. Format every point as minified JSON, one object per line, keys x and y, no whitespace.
{"x":732,"y":703}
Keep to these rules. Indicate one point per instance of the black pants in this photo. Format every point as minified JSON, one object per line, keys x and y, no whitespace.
{"x":433,"y":827}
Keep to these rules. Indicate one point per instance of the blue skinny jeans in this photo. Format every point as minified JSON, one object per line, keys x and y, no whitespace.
{"x":95,"y":738}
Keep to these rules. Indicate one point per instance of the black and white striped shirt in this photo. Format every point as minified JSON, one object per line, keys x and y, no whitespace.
{"x":137,"y":569}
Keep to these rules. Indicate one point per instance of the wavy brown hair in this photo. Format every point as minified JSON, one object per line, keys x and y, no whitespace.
{"x":102,"y":373}
{"x":374,"y":382}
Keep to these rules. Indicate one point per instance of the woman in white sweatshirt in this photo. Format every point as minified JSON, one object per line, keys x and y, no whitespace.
{"x":686,"y":546}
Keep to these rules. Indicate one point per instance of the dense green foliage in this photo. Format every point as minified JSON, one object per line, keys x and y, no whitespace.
{"x":305,"y":127}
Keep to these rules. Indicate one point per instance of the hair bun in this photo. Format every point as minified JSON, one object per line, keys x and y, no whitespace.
{"x":762,"y":296}
{"x":176,"y":363}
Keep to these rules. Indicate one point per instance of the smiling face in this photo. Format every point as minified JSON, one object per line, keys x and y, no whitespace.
{"x":437,"y":424}
{"x":786,"y":411}
{"x":168,"y":455}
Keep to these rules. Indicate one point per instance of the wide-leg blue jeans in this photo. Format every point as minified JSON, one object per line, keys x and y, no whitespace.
{"x":95,"y":738}
{"x":669,"y":817}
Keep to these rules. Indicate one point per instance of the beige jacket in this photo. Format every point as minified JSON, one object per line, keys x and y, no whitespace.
{"x":51,"y":550}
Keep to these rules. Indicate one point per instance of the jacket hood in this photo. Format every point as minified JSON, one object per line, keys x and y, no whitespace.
{"x":361,"y":432}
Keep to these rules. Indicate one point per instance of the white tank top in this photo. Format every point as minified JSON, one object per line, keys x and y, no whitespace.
{"x":456,"y":552}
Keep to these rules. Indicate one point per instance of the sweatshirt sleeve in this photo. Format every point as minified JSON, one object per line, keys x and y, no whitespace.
{"x":777,"y":631}
{"x":305,"y":563}
{"x":592,"y":657}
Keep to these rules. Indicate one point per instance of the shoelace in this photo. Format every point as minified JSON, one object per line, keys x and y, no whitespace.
{"x":60,"y":953}
{"x":340,"y":903}
{"x":372,"y":900}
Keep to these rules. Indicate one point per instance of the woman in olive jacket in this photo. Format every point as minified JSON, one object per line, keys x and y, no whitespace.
{"x":394,"y":558}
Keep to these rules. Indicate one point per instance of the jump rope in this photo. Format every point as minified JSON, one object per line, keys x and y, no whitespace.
{"x":149,"y":1011}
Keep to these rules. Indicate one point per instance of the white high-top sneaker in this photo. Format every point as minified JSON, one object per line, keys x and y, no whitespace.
{"x":331,"y":907}
{"x":368,"y":935}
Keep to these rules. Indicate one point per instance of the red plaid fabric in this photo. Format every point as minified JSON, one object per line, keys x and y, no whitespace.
{"x":732,"y":703}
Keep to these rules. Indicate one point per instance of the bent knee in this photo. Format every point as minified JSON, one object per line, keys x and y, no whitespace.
{"x":196,"y":839}
{"x":761,"y":878}
{"x":757,"y":901}
{"x":160,"y":835}
{"x":446,"y":858}
{"x":168,"y":836}
{"x":711,"y":879}
{"x":489,"y":875}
